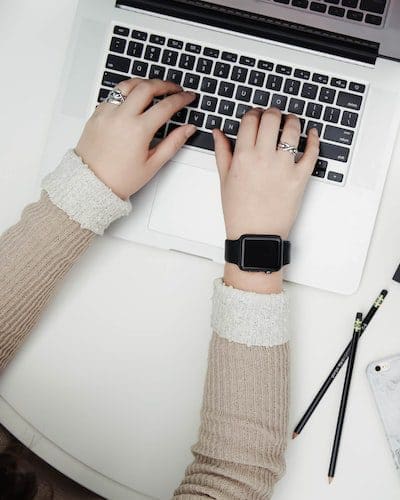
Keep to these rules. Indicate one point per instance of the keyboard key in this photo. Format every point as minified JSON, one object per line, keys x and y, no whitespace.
{"x":296,"y":106}
{"x":282,"y":1}
{"x":226,"y":107}
{"x":139,"y":35}
{"x":174,"y":75}
{"x":118,"y":63}
{"x":266,"y":65}
{"x":336,"y":11}
{"x":187,"y":61}
{"x":222,"y":70}
{"x":350,"y":3}
{"x":274,"y":82}
{"x":319,"y":173}
{"x":209,"y":103}
{"x":229,"y":56}
{"x":261,"y":98}
{"x":347,"y":100}
{"x":192,"y":47}
{"x":320,"y":168}
{"x":357,"y":87}
{"x":336,"y":2}
{"x":226,"y":89}
{"x":239,"y":74}
{"x":211,"y":52}
{"x":243,"y":93}
{"x":157,"y":72}
{"x":371,"y":19}
{"x":291,"y":87}
{"x":309,"y":91}
{"x":213,"y":122}
{"x":118,"y":45}
{"x":335,"y":176}
{"x":170,"y":57}
{"x":152,"y":53}
{"x":354,"y":15}
{"x":303,"y":4}
{"x":160,"y":132}
{"x":139,"y":68}
{"x":333,"y":152}
{"x":302,"y":73}
{"x":180,"y":116}
{"x":302,"y":124}
{"x":284,"y":70}
{"x":317,"y":125}
{"x":327,"y":95}
{"x":278,"y":101}
{"x":374,"y":6}
{"x":242,"y":110}
{"x":121,"y":30}
{"x":135,"y":49}
{"x":103,"y":94}
{"x":318,"y":7}
{"x":203,"y":140}
{"x":175,"y":44}
{"x":314,"y":110}
{"x":112,"y":79}
{"x":349,"y":119}
{"x":317,"y":77}
{"x":247,"y":61}
{"x":192,"y":81}
{"x":337,"y":82}
{"x":204,"y":65}
{"x":231,"y":127}
{"x":331,"y":115}
{"x":209,"y":85}
{"x":257,"y":78}
{"x":196,"y":118}
{"x":336,"y":134}
{"x":157,"y":39}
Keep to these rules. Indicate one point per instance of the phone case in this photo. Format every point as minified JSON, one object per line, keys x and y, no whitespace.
{"x":384,"y":379}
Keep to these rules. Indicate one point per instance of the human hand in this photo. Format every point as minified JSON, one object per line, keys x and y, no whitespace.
{"x":115,"y":143}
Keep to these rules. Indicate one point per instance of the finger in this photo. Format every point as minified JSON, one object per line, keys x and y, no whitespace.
{"x":248,"y":130}
{"x":143,"y":94}
{"x":223,"y":152}
{"x":307,"y":162}
{"x":126,"y":87}
{"x":290,"y":135}
{"x":168,"y":147}
{"x":163,"y":111}
{"x":268,"y":131}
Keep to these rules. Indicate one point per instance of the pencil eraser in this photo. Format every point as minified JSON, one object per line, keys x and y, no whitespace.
{"x":396,"y":276}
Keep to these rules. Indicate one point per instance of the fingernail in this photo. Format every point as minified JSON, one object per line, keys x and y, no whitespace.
{"x":190,"y":130}
{"x":314,"y":130}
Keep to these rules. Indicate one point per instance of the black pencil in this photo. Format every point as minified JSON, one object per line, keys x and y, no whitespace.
{"x":345,"y":396}
{"x":336,"y":369}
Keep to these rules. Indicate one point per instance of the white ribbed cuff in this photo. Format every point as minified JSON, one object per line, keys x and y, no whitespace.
{"x":250,"y":318}
{"x":75,"y":189}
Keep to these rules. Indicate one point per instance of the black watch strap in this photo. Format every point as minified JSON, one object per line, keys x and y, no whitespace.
{"x":233,"y":249}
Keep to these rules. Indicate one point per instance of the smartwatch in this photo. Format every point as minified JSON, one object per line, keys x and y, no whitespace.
{"x":258,"y":252}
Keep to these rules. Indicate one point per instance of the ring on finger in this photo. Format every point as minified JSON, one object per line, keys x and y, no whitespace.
{"x":284,"y":146}
{"x":115,"y":96}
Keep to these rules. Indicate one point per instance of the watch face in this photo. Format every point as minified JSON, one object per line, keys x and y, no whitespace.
{"x":263,"y":254}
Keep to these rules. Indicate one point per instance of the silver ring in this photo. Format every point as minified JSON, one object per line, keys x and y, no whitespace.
{"x":115,"y":96}
{"x":284,"y":146}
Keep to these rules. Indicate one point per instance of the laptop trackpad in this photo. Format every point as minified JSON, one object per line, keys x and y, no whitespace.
{"x":188,"y":205}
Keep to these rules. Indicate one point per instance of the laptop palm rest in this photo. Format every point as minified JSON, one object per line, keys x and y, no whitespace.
{"x":187,"y":204}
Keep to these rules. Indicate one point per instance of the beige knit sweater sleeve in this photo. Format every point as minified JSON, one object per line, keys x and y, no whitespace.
{"x":240,"y":450}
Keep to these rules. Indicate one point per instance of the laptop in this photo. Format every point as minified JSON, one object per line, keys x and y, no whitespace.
{"x":334,"y":63}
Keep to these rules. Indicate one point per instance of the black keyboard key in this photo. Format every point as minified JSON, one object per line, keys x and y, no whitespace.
{"x":350,"y":3}
{"x":156,"y":72}
{"x":213,"y":122}
{"x":261,"y":98}
{"x":204,"y":65}
{"x":265,"y":65}
{"x":354,"y":15}
{"x":374,"y":6}
{"x":175,"y":44}
{"x":291,"y":87}
{"x":170,"y":57}
{"x":174,"y":75}
{"x":347,"y":100}
{"x":317,"y":77}
{"x":203,"y":140}
{"x":226,"y":107}
{"x":139,"y":35}
{"x":231,"y":127}
{"x":209,"y":103}
{"x":336,"y":134}
{"x":226,"y":89}
{"x":336,"y":11}
{"x":296,"y":106}
{"x":333,"y":152}
{"x":157,"y":39}
{"x":338,"y":82}
{"x":242,"y":110}
{"x":282,"y":1}
{"x":118,"y":63}
{"x":317,"y":125}
{"x":336,"y":2}
{"x":331,"y":115}
{"x":357,"y":87}
{"x":247,"y":61}
{"x":180,"y":116}
{"x":196,"y":118}
{"x":229,"y":56}
{"x":302,"y":124}
{"x":191,"y":81}
{"x":243,"y":93}
{"x":103,"y":94}
{"x":309,"y":90}
{"x":195,"y":103}
{"x":209,"y":52}
{"x":314,"y":110}
{"x":135,"y":49}
{"x":121,"y":30}
{"x":320,"y":168}
{"x":118,"y":45}
{"x":192,"y":47}
{"x":112,"y":79}
{"x":239,"y":74}
{"x":318,"y":7}
{"x":274,"y":82}
{"x":209,"y":85}
{"x":279,"y":101}
{"x":257,"y":78}
{"x":284,"y":70}
{"x":319,"y":173}
{"x":327,"y":95}
{"x":139,"y":68}
{"x":375,"y":20}
{"x":302,"y":73}
{"x":222,"y":70}
{"x":303,"y":4}
{"x":187,"y":61}
{"x":152,"y":53}
{"x":161,"y":132}
{"x":349,"y":119}
{"x":335,"y":176}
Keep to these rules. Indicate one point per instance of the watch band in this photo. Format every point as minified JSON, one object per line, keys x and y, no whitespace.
{"x":233,"y":249}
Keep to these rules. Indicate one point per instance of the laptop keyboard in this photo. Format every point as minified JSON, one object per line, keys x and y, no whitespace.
{"x":228,"y":84}
{"x":369,"y":12}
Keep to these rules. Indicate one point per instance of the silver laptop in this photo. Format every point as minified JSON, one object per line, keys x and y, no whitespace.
{"x":334,"y":63}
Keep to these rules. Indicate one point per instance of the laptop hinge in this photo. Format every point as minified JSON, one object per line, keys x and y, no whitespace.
{"x":261,"y":26}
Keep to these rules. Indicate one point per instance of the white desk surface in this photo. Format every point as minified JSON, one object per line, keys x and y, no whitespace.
{"x":108,"y":387}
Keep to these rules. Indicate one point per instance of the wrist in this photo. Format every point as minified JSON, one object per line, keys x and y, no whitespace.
{"x":258,"y":282}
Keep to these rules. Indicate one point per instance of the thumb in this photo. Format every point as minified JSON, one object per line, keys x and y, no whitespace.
{"x":223,"y":152}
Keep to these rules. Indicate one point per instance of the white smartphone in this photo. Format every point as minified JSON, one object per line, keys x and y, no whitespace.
{"x":384,"y":379}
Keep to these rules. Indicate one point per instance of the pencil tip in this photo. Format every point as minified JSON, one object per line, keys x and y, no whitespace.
{"x":330,"y":479}
{"x":294,"y":435}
